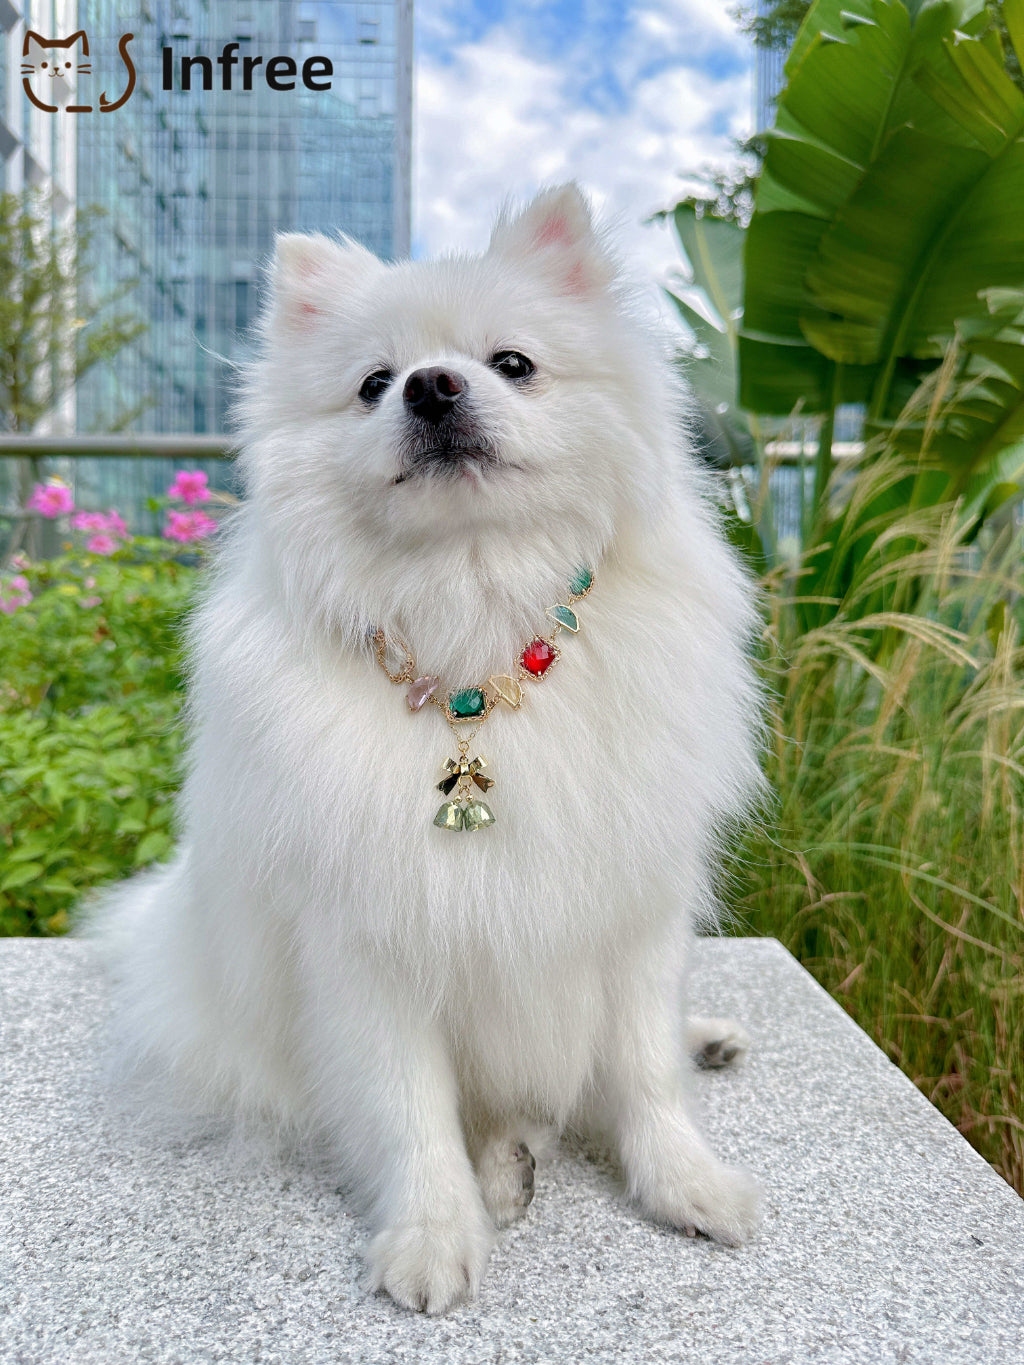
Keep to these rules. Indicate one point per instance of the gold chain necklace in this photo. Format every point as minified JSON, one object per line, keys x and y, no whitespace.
{"x":465,"y":705}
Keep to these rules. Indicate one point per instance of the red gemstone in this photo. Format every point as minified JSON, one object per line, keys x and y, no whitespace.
{"x":538,"y":656}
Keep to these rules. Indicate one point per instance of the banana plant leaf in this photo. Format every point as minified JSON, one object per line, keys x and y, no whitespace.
{"x":709,"y":305}
{"x":889,"y":205}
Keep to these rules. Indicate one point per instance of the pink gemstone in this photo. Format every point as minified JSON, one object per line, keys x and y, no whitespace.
{"x":421,"y":691}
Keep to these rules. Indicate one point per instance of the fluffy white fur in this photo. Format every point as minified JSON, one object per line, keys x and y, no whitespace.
{"x":318,"y":950}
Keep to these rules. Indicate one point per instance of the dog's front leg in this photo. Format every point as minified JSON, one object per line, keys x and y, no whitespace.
{"x":670,"y":1169}
{"x":388,"y":1094}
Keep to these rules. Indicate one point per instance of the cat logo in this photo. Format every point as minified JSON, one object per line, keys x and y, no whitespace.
{"x":42,"y":61}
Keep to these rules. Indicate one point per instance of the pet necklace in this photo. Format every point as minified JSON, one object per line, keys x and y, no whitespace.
{"x":467,"y":704}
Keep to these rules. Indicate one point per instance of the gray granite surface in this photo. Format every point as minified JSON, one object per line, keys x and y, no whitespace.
{"x":887,"y":1239}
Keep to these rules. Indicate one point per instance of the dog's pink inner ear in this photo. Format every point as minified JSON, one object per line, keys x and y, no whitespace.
{"x":312,"y":271}
{"x":577,"y":281}
{"x":300,"y":271}
{"x":555,"y":234}
{"x":555,"y":231}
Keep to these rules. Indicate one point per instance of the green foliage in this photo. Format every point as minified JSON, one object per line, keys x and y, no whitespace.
{"x":53,"y":329}
{"x":83,"y":799}
{"x":709,"y":305}
{"x":776,"y":26}
{"x":888,"y":205}
{"x":728,"y":192}
{"x":892,"y":863}
{"x":882,"y":265}
{"x":46,"y":341}
{"x":88,"y":709}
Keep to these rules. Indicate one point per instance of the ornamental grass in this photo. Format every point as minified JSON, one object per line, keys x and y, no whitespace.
{"x":892,"y":860}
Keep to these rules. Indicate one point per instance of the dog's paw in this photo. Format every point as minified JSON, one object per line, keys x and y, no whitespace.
{"x":505,"y":1170}
{"x":723,"y":1202}
{"x":716,"y":1042}
{"x":430,"y":1266}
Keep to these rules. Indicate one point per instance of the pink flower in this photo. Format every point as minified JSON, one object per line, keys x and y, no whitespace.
{"x":14,"y":593}
{"x":190,"y":486}
{"x":89,"y":601}
{"x":104,"y":526}
{"x":189,"y":526}
{"x":19,"y":561}
{"x":51,"y":499}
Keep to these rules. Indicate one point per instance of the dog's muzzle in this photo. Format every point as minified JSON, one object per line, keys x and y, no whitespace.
{"x":441,"y":430}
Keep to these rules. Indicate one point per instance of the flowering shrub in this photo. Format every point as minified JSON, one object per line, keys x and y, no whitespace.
{"x":54,"y":499}
{"x":51,"y":499}
{"x":91,"y":683}
{"x":14,"y":593}
{"x":189,"y":527}
{"x":190,"y":486}
{"x":106,"y":529}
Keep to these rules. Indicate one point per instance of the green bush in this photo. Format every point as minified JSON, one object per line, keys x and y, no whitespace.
{"x":92,"y":683}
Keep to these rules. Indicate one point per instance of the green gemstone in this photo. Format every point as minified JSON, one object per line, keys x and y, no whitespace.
{"x":449,"y":816}
{"x":565,"y":616}
{"x":469,"y":701}
{"x":478,"y":815}
{"x":580,"y":582}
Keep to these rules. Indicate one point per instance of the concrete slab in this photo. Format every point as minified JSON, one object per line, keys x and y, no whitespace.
{"x":887,"y":1238}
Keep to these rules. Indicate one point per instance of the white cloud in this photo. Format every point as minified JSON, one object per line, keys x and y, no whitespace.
{"x":499,"y":116}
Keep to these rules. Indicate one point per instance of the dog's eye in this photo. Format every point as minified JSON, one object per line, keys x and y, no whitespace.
{"x":512,"y":364}
{"x":375,"y":385}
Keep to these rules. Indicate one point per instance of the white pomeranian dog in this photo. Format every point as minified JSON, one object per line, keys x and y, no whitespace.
{"x":441,"y":459}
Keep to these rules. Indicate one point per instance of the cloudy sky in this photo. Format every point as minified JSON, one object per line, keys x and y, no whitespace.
{"x":625,"y":98}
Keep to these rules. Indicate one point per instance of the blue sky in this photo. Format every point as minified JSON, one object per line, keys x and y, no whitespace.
{"x":628,"y":99}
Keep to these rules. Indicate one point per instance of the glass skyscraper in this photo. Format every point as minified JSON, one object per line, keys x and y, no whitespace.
{"x":194,"y":180}
{"x":769,"y":78}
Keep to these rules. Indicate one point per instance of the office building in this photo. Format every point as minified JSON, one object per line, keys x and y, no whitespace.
{"x":194,"y":180}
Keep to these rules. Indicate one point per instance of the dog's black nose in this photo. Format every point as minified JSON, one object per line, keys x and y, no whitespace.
{"x":433,"y":393}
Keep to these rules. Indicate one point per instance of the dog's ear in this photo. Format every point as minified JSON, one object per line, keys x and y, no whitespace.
{"x":555,"y":233}
{"x":311,"y":274}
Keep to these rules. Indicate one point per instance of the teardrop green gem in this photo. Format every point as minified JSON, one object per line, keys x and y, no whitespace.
{"x":478,"y":815}
{"x":449,"y":816}
{"x":580,"y":582}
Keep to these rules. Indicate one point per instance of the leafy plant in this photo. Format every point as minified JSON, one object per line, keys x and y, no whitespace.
{"x":773,"y":26}
{"x":887,"y":213}
{"x":882,"y":265}
{"x":50,"y":336}
{"x":83,"y":799}
{"x":92,"y":670}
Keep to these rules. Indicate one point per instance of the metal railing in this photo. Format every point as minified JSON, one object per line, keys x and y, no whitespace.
{"x":123,"y":470}
{"x":20,"y":445}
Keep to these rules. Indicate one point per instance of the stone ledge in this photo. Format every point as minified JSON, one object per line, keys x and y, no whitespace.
{"x":887,"y":1239}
